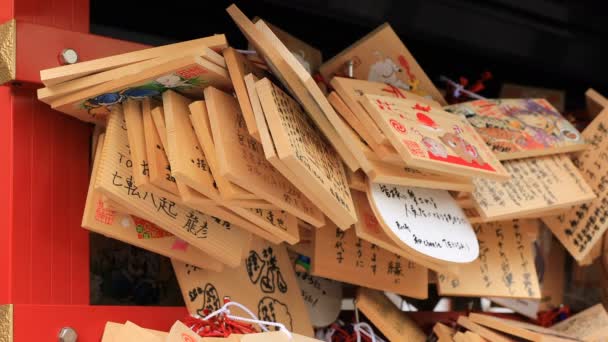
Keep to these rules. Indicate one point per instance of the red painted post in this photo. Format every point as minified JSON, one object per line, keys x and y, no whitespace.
{"x":44,"y":174}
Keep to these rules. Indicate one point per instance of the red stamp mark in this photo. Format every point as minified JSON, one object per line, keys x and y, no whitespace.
{"x":398,"y":126}
{"x":102,"y":214}
{"x":414,"y":148}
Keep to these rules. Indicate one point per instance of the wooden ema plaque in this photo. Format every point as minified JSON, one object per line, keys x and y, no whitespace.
{"x":443,"y":332}
{"x":134,"y":120}
{"x":239,"y":66}
{"x":241,"y":160}
{"x":341,"y":256}
{"x":158,"y":166}
{"x":51,"y":93}
{"x":137,"y":141}
{"x":529,"y":332}
{"x":390,"y":320}
{"x":265,"y":283}
{"x":383,"y":150}
{"x":112,"y":330}
{"x":187,"y":75}
{"x":158,"y":116}
{"x":351,"y":92}
{"x":308,"y":56}
{"x":520,"y":128}
{"x":384,"y":172}
{"x":188,"y":162}
{"x":406,"y":213}
{"x":323,"y":298}
{"x":318,"y":96}
{"x":270,"y":151}
{"x":190,"y":165}
{"x":356,"y":181}
{"x":588,"y":325}
{"x":368,"y":228}
{"x":136,"y":231}
{"x":291,"y":73}
{"x":229,"y":192}
{"x":486,"y":333}
{"x":581,"y":228}
{"x":222,"y":241}
{"x":505,"y":267}
{"x":537,"y":186}
{"x":303,"y":150}
{"x":381,"y":56}
{"x":69,"y":72}
{"x":430,"y":139}
{"x":132,"y":332}
{"x":556,"y":97}
{"x":276,"y":222}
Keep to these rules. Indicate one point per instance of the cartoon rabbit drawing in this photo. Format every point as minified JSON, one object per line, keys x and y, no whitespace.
{"x":385,"y":70}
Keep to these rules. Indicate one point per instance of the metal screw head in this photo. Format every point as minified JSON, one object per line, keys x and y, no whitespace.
{"x":68,"y":56}
{"x":67,"y":334}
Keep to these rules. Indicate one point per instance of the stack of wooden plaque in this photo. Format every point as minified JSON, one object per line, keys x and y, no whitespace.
{"x":224,"y":160}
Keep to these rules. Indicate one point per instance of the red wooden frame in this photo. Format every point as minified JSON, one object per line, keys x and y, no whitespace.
{"x":44,"y":175}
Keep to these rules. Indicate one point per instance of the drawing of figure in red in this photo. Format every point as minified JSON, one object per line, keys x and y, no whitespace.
{"x":435,"y":147}
{"x":462,"y":148}
{"x":427,"y":122}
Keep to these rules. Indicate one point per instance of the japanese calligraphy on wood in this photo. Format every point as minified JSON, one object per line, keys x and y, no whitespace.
{"x":286,"y":67}
{"x":580,"y":229}
{"x":306,"y":153}
{"x":323,"y":298}
{"x":188,"y":162}
{"x":115,"y":180}
{"x":136,"y":231}
{"x":589,"y":325}
{"x":381,"y":56}
{"x":520,"y":128}
{"x":537,"y":186}
{"x":406,"y":213}
{"x":341,"y":256}
{"x":250,"y":169}
{"x":368,"y":229}
{"x":265,"y":283}
{"x":230,"y":193}
{"x":430,"y":139}
{"x":351,"y":92}
{"x":505,"y":267}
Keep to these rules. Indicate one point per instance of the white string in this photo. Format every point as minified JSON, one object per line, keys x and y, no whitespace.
{"x":459,"y":88}
{"x":330,"y":334}
{"x":359,"y":329}
{"x":254,"y":320}
{"x":247,"y":52}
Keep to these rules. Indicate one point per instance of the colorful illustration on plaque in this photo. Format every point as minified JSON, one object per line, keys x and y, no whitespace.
{"x":148,"y":230}
{"x":429,"y":133}
{"x":516,"y":125}
{"x":101,"y":105}
{"x":386,"y":70}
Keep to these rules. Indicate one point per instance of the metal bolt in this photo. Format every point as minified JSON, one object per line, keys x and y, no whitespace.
{"x":350,"y":68}
{"x":68,"y":56}
{"x":67,"y":334}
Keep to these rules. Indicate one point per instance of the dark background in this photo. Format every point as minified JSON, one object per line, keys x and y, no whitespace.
{"x":548,"y":43}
